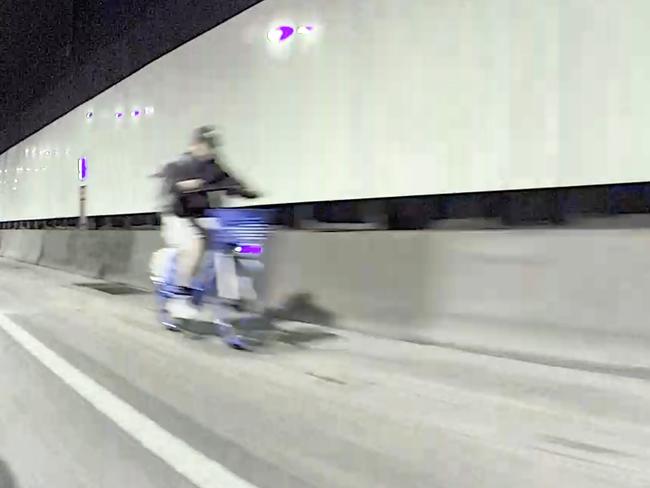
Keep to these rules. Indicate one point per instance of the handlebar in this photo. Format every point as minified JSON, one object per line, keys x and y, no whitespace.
{"x":210,"y":188}
{"x":231,"y":187}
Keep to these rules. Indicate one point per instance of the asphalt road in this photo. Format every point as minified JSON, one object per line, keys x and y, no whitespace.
{"x":94,"y":394}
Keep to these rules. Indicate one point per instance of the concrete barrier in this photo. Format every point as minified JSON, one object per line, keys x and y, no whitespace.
{"x":114,"y":255}
{"x":540,"y":290}
{"x":366,"y":280}
{"x":134,"y":269}
{"x":22,"y":245}
{"x":488,"y":288}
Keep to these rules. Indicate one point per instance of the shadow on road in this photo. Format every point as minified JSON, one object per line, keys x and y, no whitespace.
{"x":6,"y":478}
{"x":304,"y":336}
{"x":301,"y":307}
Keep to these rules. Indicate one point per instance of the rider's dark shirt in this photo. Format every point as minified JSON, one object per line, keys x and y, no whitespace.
{"x":189,"y":168}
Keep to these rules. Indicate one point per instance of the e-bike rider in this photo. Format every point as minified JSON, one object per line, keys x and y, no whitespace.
{"x":182,"y":223}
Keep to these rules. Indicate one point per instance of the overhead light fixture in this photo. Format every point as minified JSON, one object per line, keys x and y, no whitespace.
{"x":280,"y":33}
{"x":305,"y":29}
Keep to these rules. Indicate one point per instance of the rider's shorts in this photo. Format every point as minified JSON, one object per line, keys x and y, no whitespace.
{"x":180,"y":232}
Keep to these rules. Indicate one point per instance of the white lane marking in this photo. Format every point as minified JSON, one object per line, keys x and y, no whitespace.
{"x":193,"y":465}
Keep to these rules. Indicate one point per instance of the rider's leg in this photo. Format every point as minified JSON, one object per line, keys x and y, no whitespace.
{"x":182,"y":234}
{"x":227,"y":278}
{"x":171,"y":231}
{"x":189,"y":262}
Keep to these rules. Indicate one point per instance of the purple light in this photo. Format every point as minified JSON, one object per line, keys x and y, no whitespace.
{"x":250,"y":249}
{"x":136,"y":113}
{"x":281,"y":33}
{"x":89,"y":115}
{"x":83,"y":169}
{"x":119,"y":115}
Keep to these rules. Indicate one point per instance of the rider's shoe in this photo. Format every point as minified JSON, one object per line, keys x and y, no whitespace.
{"x":182,"y":309}
{"x":238,"y":305}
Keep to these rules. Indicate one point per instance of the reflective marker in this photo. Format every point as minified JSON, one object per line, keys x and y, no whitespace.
{"x":82,"y":169}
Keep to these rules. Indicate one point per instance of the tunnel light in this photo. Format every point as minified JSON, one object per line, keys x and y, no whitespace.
{"x":305,"y":29}
{"x":249,"y":249}
{"x":149,"y":111}
{"x":280,"y":34}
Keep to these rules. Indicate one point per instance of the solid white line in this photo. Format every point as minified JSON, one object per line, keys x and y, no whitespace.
{"x":196,"y":467}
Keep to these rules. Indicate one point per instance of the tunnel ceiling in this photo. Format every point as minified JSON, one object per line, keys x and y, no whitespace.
{"x":54,"y":57}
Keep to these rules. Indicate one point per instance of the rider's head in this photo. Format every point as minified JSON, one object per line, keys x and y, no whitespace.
{"x":204,"y":142}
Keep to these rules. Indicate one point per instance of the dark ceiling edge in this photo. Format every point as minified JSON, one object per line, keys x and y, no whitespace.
{"x":165,"y":53}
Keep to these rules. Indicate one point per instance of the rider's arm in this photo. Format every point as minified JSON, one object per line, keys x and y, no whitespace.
{"x":189,"y":175}
{"x":187,"y":185}
{"x":217,"y":173}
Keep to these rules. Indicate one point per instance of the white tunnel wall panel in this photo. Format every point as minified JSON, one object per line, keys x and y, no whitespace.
{"x":381,"y":99}
{"x":605,"y":117}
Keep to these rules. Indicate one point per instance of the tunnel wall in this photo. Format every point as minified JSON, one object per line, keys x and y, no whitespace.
{"x":382,"y":99}
{"x":427,"y":286}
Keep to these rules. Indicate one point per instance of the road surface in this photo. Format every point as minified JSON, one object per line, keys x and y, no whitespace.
{"x":94,"y":394}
